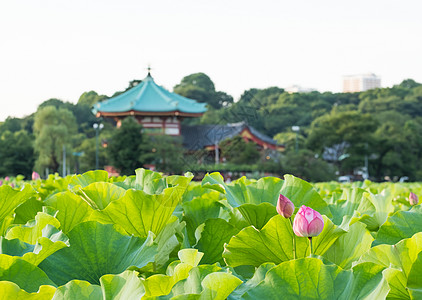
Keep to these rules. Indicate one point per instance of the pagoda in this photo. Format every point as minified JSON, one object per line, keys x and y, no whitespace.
{"x":158,"y":110}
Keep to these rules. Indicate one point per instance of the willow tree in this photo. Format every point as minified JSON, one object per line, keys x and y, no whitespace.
{"x":54,"y":130}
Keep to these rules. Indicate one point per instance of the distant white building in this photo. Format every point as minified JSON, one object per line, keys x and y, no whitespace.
{"x":298,"y":89}
{"x":360,"y":82}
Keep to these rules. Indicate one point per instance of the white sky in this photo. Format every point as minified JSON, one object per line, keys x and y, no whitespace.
{"x":60,"y":49}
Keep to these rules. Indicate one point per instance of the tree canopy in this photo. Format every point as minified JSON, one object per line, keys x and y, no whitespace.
{"x":54,"y":130}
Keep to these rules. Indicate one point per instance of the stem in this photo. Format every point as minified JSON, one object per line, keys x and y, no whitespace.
{"x":294,"y":240}
{"x":310,"y":241}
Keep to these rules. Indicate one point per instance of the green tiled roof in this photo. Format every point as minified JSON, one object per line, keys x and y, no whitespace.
{"x":149,"y":97}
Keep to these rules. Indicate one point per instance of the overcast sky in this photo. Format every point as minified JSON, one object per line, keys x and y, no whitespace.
{"x":60,"y":49}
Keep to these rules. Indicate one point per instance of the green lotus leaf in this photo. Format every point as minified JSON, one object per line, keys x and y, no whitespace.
{"x":401,"y":225}
{"x":309,"y":278}
{"x":195,"y":189}
{"x":11,"y":199}
{"x":14,"y":247}
{"x":126,"y":285}
{"x":95,"y":250}
{"x":219,"y":285}
{"x":383,"y":207}
{"x":352,"y":200}
{"x":257,"y":215}
{"x":274,"y":243}
{"x":167,"y":241}
{"x":243,"y":191}
{"x":216,"y":182}
{"x":200,"y":209}
{"x":27,"y":211}
{"x":192,"y":284}
{"x":99,"y":194}
{"x":87,"y":178}
{"x":71,"y":209}
{"x":11,"y":291}
{"x":161,"y":285}
{"x":138,"y":212}
{"x":204,"y":282}
{"x":154,"y":183}
{"x":399,"y":257}
{"x":350,"y":246}
{"x":414,"y":281}
{"x":258,"y":276}
{"x":215,"y":234}
{"x":301,"y":193}
{"x":27,"y":276}
{"x":5,"y":224}
{"x":51,"y":241}
{"x":329,"y":235}
{"x":149,"y":181}
{"x":31,"y":231}
{"x":78,"y":289}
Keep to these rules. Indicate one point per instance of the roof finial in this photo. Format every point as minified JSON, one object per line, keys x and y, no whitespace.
{"x":149,"y":70}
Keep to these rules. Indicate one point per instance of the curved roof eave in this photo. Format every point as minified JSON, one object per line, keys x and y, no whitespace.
{"x":149,"y":97}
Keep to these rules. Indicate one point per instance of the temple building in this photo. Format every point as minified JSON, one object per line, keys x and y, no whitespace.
{"x":210,"y":136}
{"x":158,"y":110}
{"x":161,"y":112}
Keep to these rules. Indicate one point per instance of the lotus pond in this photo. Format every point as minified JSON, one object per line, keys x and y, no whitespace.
{"x":149,"y":236}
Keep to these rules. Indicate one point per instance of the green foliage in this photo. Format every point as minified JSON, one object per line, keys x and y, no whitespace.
{"x":305,"y":165}
{"x":16,"y":153}
{"x":54,"y":129}
{"x":235,"y":150}
{"x":200,"y":87}
{"x":320,"y":281}
{"x":95,"y":250}
{"x":151,"y":236}
{"x":90,"y":98}
{"x":166,"y":153}
{"x":126,"y":146}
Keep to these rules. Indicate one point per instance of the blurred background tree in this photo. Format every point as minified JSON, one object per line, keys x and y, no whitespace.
{"x":125,"y":148}
{"x":54,"y":131}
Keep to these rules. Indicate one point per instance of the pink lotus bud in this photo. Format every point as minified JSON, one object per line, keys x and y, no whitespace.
{"x":308,"y":222}
{"x":285,"y":207}
{"x":35,"y":176}
{"x":413,"y":199}
{"x":6,"y":178}
{"x":1,"y":182}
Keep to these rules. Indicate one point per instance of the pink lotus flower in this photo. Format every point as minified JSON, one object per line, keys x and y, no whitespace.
{"x":35,"y":176}
{"x":413,"y":199}
{"x":1,"y":182}
{"x":285,"y":207}
{"x":308,"y":222}
{"x":7,"y":178}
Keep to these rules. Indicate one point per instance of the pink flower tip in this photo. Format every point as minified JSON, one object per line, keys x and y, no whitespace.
{"x":307,"y":222}
{"x":413,"y":199}
{"x":35,"y":176}
{"x":285,"y":207}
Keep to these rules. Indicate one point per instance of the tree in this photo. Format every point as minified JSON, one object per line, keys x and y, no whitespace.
{"x":289,"y":139}
{"x":200,"y":87}
{"x":11,"y":124}
{"x":352,"y":129}
{"x":166,"y":153}
{"x":90,"y":98}
{"x":54,"y":130}
{"x":236,"y":150}
{"x":305,"y":165}
{"x":126,"y":147}
{"x":397,"y":146}
{"x":16,"y":154}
